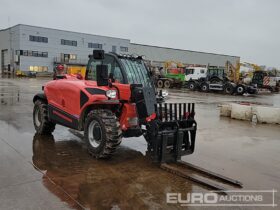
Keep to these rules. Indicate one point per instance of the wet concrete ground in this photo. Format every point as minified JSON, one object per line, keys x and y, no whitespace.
{"x":57,"y":172}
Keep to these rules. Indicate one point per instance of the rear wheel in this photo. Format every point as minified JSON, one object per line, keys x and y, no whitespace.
{"x":228,"y":89}
{"x":205,"y":87}
{"x":240,"y":89}
{"x":167,"y":83}
{"x":41,"y":120}
{"x":102,"y":133}
{"x":192,"y":86}
{"x":160,"y":83}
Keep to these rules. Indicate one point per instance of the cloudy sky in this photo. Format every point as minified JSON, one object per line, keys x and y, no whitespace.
{"x":247,"y":28}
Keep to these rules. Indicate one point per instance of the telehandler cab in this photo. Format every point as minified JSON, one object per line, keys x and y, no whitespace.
{"x":117,"y":98}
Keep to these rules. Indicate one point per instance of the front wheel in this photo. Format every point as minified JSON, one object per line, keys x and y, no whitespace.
{"x":42,"y":124}
{"x":205,"y":87}
{"x":229,"y":89}
{"x":192,"y":86}
{"x":102,"y":133}
{"x":160,"y":83}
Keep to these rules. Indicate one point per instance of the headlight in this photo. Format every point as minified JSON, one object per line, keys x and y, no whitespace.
{"x":111,"y":93}
{"x":164,"y":93}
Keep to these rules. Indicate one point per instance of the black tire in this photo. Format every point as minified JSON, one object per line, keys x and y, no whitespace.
{"x":42,"y":124}
{"x":228,"y":89}
{"x":192,"y":86}
{"x":160,"y":83}
{"x":102,"y":133}
{"x":167,"y":83}
{"x":205,"y":87}
{"x":271,"y":89}
{"x":240,"y":89}
{"x":252,"y":91}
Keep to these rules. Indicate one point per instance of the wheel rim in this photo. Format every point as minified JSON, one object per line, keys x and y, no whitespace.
{"x":191,"y":86}
{"x":167,"y":84}
{"x":94,"y":133}
{"x":239,"y":89}
{"x":228,"y":89}
{"x":204,"y":88}
{"x":160,"y":84}
{"x":37,"y":117}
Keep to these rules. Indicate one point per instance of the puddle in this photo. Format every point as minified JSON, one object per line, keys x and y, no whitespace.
{"x":129,"y":178}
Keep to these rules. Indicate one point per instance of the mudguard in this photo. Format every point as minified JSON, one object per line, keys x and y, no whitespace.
{"x":40,"y":96}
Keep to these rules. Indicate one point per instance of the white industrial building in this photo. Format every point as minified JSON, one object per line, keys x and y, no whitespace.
{"x":32,"y":48}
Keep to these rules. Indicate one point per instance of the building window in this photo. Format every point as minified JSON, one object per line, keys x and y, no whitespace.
{"x":73,"y":57}
{"x":69,"y":42}
{"x":32,"y":53}
{"x":38,"y":39}
{"x":124,"y":49}
{"x":44,"y":54}
{"x":38,"y":68}
{"x":35,"y":53}
{"x":114,"y":48}
{"x":45,"y":39}
{"x":95,"y":45}
{"x":74,"y":43}
{"x":32,"y":38}
{"x":25,"y":52}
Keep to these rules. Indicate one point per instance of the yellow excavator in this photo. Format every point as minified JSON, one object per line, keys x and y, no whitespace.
{"x":255,"y":67}
{"x":258,"y":77}
{"x":234,"y":74}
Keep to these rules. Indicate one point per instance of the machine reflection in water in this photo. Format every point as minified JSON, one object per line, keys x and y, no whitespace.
{"x":127,"y":181}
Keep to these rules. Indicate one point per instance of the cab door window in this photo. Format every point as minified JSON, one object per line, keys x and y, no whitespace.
{"x":113,"y":68}
{"x":189,"y":71}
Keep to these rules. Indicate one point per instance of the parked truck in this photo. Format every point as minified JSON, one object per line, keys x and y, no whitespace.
{"x":171,"y":75}
{"x":215,"y":78}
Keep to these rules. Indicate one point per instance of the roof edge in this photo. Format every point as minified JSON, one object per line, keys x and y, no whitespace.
{"x":185,"y":50}
{"x":20,"y":24}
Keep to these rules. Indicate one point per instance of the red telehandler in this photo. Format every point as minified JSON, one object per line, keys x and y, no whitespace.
{"x":117,"y":98}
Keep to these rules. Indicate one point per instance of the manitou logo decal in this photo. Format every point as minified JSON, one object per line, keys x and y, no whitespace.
{"x":225,"y":198}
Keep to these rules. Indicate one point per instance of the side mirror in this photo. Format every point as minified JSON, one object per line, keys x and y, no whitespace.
{"x":102,"y":75}
{"x":98,"y":54}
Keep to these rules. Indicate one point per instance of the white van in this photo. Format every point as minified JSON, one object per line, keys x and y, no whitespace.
{"x":195,"y":73}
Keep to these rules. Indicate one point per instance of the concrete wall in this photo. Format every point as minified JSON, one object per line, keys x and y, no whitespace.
{"x":161,"y":54}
